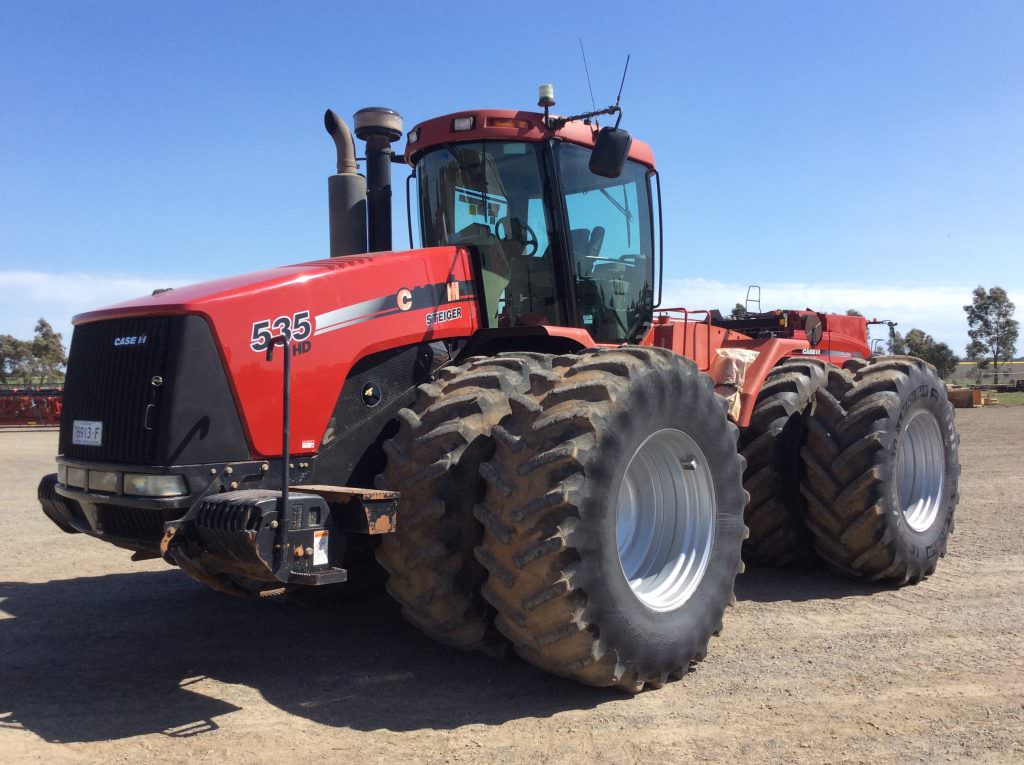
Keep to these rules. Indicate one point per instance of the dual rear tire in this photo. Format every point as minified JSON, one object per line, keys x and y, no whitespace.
{"x":855,"y":466}
{"x":771,"y":444}
{"x":882,"y":470}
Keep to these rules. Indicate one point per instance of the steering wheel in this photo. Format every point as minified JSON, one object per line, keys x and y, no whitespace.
{"x":529,"y":241}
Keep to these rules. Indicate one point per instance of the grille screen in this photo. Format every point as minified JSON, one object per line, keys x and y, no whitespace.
{"x":109,"y":380}
{"x":189,"y":418}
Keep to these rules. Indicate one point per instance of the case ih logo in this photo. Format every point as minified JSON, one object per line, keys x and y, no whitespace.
{"x":129,"y":340}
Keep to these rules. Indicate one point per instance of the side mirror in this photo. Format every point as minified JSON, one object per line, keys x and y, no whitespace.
{"x":610,"y":152}
{"x":813,"y":329}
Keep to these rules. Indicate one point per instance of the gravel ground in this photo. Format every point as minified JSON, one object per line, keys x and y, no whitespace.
{"x":104,"y":660}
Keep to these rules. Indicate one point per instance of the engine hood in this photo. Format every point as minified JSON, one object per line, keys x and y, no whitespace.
{"x":334,"y":311}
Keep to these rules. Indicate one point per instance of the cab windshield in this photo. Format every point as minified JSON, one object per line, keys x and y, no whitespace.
{"x":490,"y":195}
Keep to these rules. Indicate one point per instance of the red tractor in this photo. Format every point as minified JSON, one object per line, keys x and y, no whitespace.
{"x":534,"y":450}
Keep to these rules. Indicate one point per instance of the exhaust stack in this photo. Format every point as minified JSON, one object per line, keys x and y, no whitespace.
{"x":346,"y":193}
{"x":379,"y":127}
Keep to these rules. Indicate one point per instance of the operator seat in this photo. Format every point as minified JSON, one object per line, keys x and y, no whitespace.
{"x":532,"y":296}
{"x":494,"y":264}
{"x":586,"y":246}
{"x":602,"y":291}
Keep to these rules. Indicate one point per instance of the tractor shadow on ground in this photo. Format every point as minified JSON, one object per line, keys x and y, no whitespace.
{"x":122,"y":655}
{"x":773,"y":585}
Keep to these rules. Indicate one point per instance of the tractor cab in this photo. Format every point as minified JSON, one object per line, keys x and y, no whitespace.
{"x":556,"y":243}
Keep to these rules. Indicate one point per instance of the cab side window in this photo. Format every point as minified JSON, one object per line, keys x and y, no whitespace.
{"x":611,"y":242}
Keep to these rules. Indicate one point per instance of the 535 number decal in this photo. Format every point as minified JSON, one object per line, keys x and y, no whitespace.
{"x":295,"y":328}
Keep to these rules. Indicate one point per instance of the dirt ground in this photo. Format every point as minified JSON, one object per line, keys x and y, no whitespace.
{"x":104,"y":660}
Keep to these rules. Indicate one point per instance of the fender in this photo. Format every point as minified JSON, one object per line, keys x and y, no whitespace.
{"x":770,"y":353}
{"x":541,"y":338}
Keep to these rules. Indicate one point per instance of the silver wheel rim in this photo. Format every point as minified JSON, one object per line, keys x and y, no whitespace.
{"x":920,"y":470}
{"x":665,"y":519}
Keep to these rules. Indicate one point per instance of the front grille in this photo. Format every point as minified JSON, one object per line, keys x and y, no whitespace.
{"x":165,"y":401}
{"x":142,"y":524}
{"x":112,"y":384}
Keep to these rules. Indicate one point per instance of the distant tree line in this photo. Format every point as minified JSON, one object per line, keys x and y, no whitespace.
{"x":919,"y":343}
{"x":990,"y":325}
{"x":36,"y":361}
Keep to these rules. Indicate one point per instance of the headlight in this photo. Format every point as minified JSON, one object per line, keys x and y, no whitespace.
{"x":75,"y":477}
{"x":154,"y":485}
{"x":102,"y":480}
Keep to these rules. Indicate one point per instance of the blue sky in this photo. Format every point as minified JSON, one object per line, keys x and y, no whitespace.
{"x":843,"y":155}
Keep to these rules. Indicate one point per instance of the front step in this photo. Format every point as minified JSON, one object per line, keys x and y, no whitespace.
{"x":318,"y":578}
{"x":359,"y":511}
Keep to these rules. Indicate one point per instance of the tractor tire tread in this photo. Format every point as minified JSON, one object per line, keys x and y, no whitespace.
{"x":846,"y":466}
{"x":433,"y":460}
{"x":770,"y":444}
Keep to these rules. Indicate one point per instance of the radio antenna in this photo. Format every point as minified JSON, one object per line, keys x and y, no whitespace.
{"x":624,"y":70}
{"x":556,"y":123}
{"x":619,"y":96}
{"x":586,"y":69}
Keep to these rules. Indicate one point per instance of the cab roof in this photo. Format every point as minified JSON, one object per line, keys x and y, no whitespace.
{"x":505,"y":125}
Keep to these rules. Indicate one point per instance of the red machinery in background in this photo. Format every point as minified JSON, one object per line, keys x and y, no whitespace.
{"x":30,"y":405}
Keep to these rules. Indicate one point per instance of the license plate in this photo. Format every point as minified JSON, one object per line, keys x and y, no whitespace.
{"x":87,"y":433}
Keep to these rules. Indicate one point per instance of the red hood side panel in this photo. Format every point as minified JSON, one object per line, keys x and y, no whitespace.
{"x":354,"y":306}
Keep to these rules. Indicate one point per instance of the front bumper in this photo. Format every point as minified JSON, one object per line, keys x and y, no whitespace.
{"x":136,"y":522}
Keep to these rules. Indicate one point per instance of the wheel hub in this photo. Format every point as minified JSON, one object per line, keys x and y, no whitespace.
{"x":665,"y":519}
{"x":920,"y":470}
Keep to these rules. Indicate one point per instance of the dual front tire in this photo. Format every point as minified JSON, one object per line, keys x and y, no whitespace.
{"x":609,"y":518}
{"x":613,"y":518}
